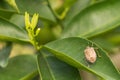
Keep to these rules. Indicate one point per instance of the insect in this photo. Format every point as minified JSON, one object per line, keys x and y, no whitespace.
{"x":90,"y":54}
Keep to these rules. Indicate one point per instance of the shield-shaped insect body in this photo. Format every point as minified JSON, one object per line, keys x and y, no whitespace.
{"x":90,"y":54}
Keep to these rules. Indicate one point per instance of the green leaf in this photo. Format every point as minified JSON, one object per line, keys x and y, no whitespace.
{"x":4,"y":54}
{"x":6,"y":14}
{"x":97,"y":1}
{"x":61,"y":7}
{"x":109,"y":39}
{"x":76,"y":9}
{"x":35,"y":6}
{"x":11,"y":32}
{"x":12,"y":4}
{"x":5,"y":6}
{"x":18,"y":20}
{"x":68,"y":3}
{"x":50,"y":68}
{"x":71,"y":50}
{"x":105,"y":44}
{"x":113,"y":36}
{"x":18,"y":68}
{"x":94,"y":20}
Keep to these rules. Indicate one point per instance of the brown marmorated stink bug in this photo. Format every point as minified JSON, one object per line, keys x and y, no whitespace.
{"x":90,"y":54}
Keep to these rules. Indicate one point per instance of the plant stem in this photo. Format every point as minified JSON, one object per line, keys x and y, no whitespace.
{"x":55,"y":15}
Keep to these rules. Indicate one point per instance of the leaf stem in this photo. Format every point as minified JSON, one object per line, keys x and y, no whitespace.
{"x":55,"y":15}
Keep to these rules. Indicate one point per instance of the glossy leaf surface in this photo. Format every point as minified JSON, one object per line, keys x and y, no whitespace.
{"x":4,"y":54}
{"x":18,"y":68}
{"x":94,"y":20}
{"x":75,"y":10}
{"x":6,"y":14}
{"x":71,"y":50}
{"x":11,"y":32}
{"x":50,"y":68}
{"x":35,"y":6}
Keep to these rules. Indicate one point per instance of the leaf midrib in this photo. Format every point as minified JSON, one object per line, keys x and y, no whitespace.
{"x":53,"y":77}
{"x":74,"y":61}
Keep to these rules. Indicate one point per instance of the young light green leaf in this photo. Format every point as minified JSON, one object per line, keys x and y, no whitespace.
{"x":11,"y":32}
{"x":27,"y":20}
{"x":50,"y":68}
{"x":34,"y":20}
{"x":71,"y":50}
{"x":94,"y":20}
{"x":20,"y":67}
{"x":31,"y":27}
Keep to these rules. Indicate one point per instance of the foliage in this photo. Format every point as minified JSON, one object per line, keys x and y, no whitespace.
{"x":59,"y":31}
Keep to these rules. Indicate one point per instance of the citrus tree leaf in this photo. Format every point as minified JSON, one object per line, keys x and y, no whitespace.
{"x":50,"y":68}
{"x":5,"y":6}
{"x":104,"y":43}
{"x":11,"y":32}
{"x":94,"y":20}
{"x":113,"y":36}
{"x":18,"y":68}
{"x":35,"y":6}
{"x":18,"y":20}
{"x":6,"y":14}
{"x":4,"y":54}
{"x":71,"y":50}
{"x":76,"y":9}
{"x":108,"y":40}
